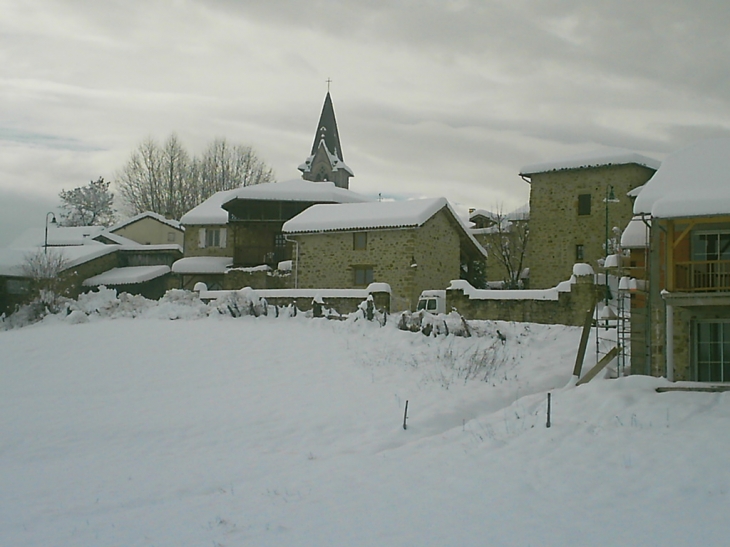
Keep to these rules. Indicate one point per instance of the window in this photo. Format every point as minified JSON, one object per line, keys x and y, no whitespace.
{"x":712,"y":351}
{"x":360,"y":241}
{"x":363,"y":275}
{"x":708,"y":246}
{"x":584,"y":204}
{"x":710,"y":269}
{"x":212,"y":237}
{"x":579,"y":252}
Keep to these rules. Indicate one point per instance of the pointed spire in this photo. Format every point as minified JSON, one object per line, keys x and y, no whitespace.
{"x":327,"y":130}
{"x":325,"y":162}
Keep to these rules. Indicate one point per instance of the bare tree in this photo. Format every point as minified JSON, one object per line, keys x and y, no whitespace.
{"x":140,"y":180}
{"x":166,"y":180}
{"x":90,"y":205}
{"x":44,"y":269}
{"x":507,"y":245}
{"x":224,"y":167}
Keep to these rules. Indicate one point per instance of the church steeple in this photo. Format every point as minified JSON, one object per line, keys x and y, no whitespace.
{"x":326,"y":161}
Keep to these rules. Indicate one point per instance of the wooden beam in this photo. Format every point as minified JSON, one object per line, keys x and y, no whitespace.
{"x":587,"y":324}
{"x":684,"y":233}
{"x":610,"y":356}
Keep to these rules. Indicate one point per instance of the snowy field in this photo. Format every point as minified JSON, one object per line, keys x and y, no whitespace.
{"x":222,"y":431}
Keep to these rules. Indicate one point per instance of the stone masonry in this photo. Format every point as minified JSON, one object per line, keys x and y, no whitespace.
{"x":568,"y":309}
{"x":410,"y":260}
{"x":556,"y":228}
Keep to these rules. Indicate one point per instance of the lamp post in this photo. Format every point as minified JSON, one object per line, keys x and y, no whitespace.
{"x":53,"y":221}
{"x":610,"y":198}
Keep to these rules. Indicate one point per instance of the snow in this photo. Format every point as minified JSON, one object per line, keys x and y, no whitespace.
{"x":210,"y":212}
{"x":359,"y":216}
{"x":582,"y":269}
{"x":127,"y":275}
{"x":335,"y":162}
{"x":597,"y":158}
{"x":373,"y":215}
{"x":517,"y":294}
{"x":297,"y":190}
{"x":220,"y":431}
{"x":694,"y":181}
{"x":636,"y":234}
{"x":57,"y":236}
{"x":205,"y":294}
{"x":147,"y":214}
{"x":202,"y":265}
{"x":12,"y":260}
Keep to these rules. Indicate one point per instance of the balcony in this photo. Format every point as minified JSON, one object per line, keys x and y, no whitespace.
{"x":250,"y":256}
{"x":702,"y":276}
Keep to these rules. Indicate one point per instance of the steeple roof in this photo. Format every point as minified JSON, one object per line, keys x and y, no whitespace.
{"x":327,"y":130}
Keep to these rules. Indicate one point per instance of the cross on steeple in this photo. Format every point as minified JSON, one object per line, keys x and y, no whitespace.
{"x":329,"y":81}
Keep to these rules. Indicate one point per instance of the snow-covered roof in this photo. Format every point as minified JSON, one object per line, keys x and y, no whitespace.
{"x":694,"y":181}
{"x":12,"y":260}
{"x":597,"y":158}
{"x":476,"y":213}
{"x":147,"y":214}
{"x":373,"y":215}
{"x":298,"y":190}
{"x":359,"y":216}
{"x":57,"y":236}
{"x":335,"y":162}
{"x":202,"y":265}
{"x":635,"y":235}
{"x":635,"y":191}
{"x":127,"y":276}
{"x":210,"y":211}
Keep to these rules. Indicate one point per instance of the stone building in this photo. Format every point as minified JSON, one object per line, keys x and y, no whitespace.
{"x":410,"y":245}
{"x":574,"y":206}
{"x":150,"y":228}
{"x":234,"y":235}
{"x":680,"y":259}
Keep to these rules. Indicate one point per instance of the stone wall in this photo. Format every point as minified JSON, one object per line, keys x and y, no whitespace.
{"x":192,"y":242}
{"x":410,"y":260}
{"x":259,"y":278}
{"x":565,"y":304}
{"x":555,"y":226}
{"x":341,"y":301}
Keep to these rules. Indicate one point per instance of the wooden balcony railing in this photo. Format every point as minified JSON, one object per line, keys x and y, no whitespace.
{"x":258,"y":255}
{"x":702,"y":276}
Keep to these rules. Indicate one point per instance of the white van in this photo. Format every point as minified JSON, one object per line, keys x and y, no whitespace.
{"x":432,"y":301}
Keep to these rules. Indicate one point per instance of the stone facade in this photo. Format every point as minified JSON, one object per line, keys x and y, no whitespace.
{"x":556,"y":227}
{"x":410,"y":260}
{"x":194,"y":236}
{"x":569,"y":308}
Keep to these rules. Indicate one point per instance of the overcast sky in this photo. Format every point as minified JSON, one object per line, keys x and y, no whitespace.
{"x":432,"y":98}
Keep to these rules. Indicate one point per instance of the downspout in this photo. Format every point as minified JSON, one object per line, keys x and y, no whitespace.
{"x":296,"y":260}
{"x":649,"y":299}
{"x":668,"y":314}
{"x":670,"y":340}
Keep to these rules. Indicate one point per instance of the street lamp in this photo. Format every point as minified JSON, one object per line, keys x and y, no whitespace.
{"x":53,"y":221}
{"x":610,"y":198}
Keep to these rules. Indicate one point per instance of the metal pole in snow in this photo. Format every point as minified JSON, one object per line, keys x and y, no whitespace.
{"x":548,"y":412}
{"x":405,"y":416}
